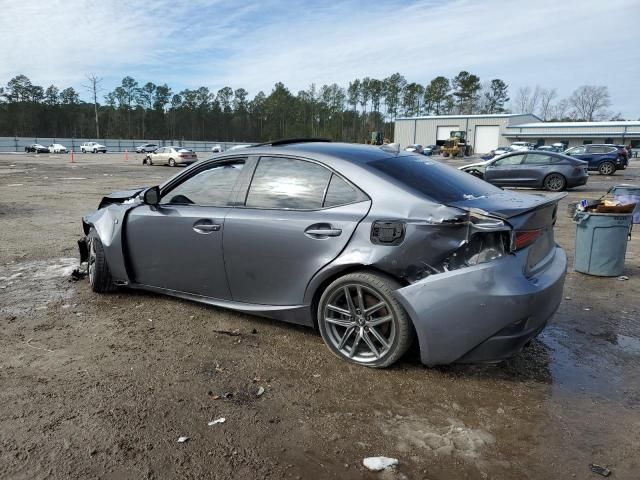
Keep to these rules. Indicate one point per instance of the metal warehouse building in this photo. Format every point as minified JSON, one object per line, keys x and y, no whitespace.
{"x":487,"y":132}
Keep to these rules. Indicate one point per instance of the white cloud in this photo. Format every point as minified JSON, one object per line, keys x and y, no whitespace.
{"x":253,"y":45}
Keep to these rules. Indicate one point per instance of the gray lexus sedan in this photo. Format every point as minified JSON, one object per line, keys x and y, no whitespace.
{"x":530,"y":168}
{"x":372,"y":245}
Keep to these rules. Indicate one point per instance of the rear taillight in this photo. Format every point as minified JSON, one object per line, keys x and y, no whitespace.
{"x":524,"y":238}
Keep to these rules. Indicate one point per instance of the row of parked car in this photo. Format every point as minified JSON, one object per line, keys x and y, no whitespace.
{"x":87,"y":147}
{"x":549,"y":169}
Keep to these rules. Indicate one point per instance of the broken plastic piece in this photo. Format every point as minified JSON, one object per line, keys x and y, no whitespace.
{"x":183,"y":439}
{"x":217,"y":420}
{"x":600,"y":470}
{"x":260,"y":391}
{"x":376,"y":464}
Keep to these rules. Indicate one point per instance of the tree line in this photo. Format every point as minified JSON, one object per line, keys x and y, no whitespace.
{"x":155,"y":111}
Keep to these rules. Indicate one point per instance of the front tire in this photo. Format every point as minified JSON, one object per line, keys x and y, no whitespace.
{"x":361,"y":321}
{"x":555,"y":182}
{"x":607,"y":168}
{"x":98,"y":269}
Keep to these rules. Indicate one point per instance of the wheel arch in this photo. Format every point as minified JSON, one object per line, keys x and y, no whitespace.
{"x":323,"y":279}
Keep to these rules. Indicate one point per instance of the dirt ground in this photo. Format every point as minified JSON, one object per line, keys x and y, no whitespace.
{"x":102,"y":386}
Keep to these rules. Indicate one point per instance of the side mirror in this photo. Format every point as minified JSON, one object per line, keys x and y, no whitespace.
{"x":151,"y":196}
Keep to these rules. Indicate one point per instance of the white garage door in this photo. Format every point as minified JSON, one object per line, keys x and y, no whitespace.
{"x":487,"y":138}
{"x":444,"y":132}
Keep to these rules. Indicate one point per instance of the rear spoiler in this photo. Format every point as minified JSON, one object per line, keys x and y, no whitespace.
{"x":508,"y":204}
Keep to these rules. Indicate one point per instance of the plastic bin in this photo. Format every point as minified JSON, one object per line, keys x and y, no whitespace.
{"x":628,"y":194}
{"x":601,"y":242}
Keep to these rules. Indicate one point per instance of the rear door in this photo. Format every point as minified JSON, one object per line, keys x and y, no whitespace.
{"x":177,"y":245}
{"x":505,"y":171}
{"x":536,"y":166}
{"x":296,"y":217}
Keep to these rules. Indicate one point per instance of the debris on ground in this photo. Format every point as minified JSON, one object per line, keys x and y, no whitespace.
{"x":260,"y":391}
{"x":623,"y":277}
{"x":234,"y":333}
{"x":216,"y":421}
{"x":183,"y":439}
{"x":600,"y":470}
{"x":377,"y":464}
{"x":77,"y":274}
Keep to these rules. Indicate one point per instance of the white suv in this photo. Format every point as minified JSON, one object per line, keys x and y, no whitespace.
{"x":92,"y":147}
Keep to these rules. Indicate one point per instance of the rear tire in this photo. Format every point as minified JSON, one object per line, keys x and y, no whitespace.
{"x":172,"y":162}
{"x":98,"y":269}
{"x":607,"y":168}
{"x":370,"y":328}
{"x":555,"y":182}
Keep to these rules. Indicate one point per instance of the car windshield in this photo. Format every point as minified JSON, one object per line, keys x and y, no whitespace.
{"x":434,"y":180}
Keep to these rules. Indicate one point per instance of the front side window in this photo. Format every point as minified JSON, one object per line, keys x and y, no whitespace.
{"x":287,"y":183}
{"x":211,"y":187}
{"x":510,"y":160}
{"x":576,"y":151}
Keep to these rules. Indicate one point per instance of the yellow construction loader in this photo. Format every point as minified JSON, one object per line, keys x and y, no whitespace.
{"x":457,"y":145}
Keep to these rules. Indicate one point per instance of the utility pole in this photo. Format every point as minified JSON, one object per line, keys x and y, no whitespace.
{"x":94,"y":87}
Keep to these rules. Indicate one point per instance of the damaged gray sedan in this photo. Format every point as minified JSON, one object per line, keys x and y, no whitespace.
{"x":374,"y":247}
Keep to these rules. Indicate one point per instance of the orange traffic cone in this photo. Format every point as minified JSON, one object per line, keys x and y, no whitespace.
{"x":71,"y":155}
{"x":126,"y":154}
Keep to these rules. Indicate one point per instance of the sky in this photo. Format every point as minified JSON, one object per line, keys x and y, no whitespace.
{"x":254,"y":44}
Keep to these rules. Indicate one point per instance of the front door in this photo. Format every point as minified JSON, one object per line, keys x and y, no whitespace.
{"x":177,"y":245}
{"x":505,"y":170}
{"x":297,"y":217}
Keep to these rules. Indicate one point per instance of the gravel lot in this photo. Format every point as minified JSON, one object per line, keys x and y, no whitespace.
{"x":102,"y":386}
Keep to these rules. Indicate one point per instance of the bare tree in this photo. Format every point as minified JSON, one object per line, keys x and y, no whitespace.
{"x":527,"y":99}
{"x":560,"y":110}
{"x":546,"y":97}
{"x":94,"y":87}
{"x":590,"y":102}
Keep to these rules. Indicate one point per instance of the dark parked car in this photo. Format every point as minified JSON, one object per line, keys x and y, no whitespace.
{"x":372,"y":245}
{"x":147,"y":148}
{"x":534,"y":168}
{"x":606,"y":159}
{"x":36,"y":148}
{"x":431,"y":150}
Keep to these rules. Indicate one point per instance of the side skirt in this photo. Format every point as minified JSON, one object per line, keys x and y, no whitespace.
{"x":297,"y":314}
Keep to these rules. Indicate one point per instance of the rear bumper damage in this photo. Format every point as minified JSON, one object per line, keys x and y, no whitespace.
{"x":486,"y":312}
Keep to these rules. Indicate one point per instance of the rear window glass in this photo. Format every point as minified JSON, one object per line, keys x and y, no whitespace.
{"x":341,"y":193}
{"x":435,"y":180}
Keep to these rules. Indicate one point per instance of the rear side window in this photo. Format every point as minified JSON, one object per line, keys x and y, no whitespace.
{"x":287,"y":183}
{"x":538,"y":159}
{"x":439,"y":182}
{"x":341,"y":193}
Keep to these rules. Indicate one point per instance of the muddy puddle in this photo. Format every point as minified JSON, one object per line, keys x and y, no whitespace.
{"x":32,"y":285}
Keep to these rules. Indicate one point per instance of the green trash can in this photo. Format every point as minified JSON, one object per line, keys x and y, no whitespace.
{"x":625,"y":194}
{"x":601,"y":242}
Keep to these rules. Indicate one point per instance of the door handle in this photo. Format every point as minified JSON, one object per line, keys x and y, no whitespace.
{"x":322,"y":230}
{"x":206,"y":227}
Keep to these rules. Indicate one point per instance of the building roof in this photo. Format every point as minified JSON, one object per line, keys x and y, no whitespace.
{"x":620,"y":123}
{"x":487,"y":115}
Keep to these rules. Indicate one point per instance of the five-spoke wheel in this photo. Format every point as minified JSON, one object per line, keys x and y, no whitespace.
{"x":361,"y":321}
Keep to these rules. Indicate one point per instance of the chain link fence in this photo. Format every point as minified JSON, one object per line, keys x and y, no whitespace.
{"x":18,"y":144}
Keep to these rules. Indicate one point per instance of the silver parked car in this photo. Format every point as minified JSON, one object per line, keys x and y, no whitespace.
{"x":172,"y":156}
{"x":538,"y":169}
{"x":372,"y":245}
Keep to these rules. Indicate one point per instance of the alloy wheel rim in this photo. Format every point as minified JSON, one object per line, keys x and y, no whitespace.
{"x":92,"y":263}
{"x":555,"y":183}
{"x":359,"y":323}
{"x":606,"y":169}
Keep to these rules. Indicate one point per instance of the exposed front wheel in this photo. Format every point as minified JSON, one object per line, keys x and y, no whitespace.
{"x":607,"y":168}
{"x":555,"y":182}
{"x":98,"y":269}
{"x":361,"y":321}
